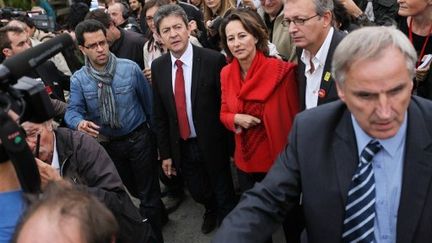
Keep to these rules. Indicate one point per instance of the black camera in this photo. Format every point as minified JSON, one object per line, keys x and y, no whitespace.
{"x":40,"y":19}
{"x":28,"y":98}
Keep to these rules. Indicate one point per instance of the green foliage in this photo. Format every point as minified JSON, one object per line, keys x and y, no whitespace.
{"x":23,"y":4}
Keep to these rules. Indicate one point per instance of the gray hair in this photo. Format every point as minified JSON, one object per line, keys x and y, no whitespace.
{"x":369,"y":43}
{"x":322,"y":6}
{"x":169,"y":10}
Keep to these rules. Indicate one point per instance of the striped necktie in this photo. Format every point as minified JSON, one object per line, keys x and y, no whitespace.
{"x":360,"y":207}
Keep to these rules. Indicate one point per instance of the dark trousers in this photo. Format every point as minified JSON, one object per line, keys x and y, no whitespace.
{"x":213,"y":189}
{"x":135,"y":158}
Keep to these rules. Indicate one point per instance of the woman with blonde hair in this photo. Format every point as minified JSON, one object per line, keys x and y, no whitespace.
{"x":214,"y":11}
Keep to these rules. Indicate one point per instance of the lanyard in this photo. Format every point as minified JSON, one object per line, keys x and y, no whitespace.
{"x":424,"y":43}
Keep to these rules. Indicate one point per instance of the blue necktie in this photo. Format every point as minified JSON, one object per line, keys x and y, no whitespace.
{"x":360,"y":206}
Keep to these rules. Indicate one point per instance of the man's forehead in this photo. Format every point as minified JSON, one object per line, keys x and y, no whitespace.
{"x":29,"y":126}
{"x":16,"y":37}
{"x":90,"y":37}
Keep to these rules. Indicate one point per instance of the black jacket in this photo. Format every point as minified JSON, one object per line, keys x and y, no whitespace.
{"x":86,"y":164}
{"x":130,"y":46}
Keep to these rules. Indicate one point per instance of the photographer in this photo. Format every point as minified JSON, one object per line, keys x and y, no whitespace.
{"x":13,"y":41}
{"x":81,"y":160}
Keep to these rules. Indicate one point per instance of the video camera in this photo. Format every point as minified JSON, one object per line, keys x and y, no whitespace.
{"x":28,"y":98}
{"x":41,"y":20}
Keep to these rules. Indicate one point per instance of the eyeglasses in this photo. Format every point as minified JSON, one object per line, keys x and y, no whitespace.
{"x":94,"y":46}
{"x":297,"y":21}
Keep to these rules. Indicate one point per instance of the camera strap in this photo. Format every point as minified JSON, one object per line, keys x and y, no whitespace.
{"x":15,"y":147}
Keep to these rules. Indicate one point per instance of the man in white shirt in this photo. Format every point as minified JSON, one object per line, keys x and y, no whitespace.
{"x":310,"y":26}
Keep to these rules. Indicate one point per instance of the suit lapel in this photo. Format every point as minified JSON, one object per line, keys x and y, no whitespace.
{"x":327,"y":81}
{"x":344,"y":149}
{"x":196,"y":72}
{"x":417,"y":173}
{"x":167,"y":84}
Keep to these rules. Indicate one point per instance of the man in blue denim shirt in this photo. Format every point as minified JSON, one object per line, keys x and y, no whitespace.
{"x":111,"y":100}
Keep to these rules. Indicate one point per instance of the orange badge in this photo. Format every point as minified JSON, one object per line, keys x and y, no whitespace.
{"x":321,"y":93}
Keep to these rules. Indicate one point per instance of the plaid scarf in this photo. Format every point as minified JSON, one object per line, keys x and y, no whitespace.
{"x":107,"y":104}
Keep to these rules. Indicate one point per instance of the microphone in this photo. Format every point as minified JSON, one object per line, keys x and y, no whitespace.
{"x":17,"y":66}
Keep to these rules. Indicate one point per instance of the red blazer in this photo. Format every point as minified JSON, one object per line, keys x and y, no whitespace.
{"x":272,"y":82}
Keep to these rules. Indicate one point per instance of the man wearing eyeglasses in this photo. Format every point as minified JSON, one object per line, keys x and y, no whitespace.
{"x":310,"y":26}
{"x":112,"y":101}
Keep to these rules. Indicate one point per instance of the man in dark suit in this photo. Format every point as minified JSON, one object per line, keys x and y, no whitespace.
{"x":187,"y":97}
{"x":369,"y":173}
{"x":310,"y":26}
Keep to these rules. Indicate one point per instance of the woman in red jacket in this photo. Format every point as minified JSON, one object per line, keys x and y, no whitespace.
{"x":259,"y":95}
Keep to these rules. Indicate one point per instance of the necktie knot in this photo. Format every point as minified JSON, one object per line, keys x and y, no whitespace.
{"x":370,"y":150}
{"x":178,"y":63}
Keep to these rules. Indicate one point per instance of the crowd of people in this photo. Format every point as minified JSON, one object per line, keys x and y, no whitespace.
{"x":321,"y":106}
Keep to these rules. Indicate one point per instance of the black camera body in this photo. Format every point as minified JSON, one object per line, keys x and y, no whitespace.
{"x":30,"y":101}
{"x":41,"y":20}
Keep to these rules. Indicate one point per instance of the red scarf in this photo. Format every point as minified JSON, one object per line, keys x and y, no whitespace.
{"x":258,"y":85}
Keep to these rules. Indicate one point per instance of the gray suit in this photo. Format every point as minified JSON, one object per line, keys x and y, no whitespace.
{"x":322,"y":173}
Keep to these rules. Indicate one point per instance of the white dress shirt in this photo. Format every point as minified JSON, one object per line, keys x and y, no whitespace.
{"x":313,"y":79}
{"x":187,"y":59}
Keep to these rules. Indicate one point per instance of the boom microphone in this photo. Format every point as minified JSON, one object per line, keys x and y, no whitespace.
{"x":17,"y":66}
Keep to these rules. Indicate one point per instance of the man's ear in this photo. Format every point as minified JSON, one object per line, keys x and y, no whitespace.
{"x":328,"y":18}
{"x":340,"y":91}
{"x":82,"y":49}
{"x":7,"y":52}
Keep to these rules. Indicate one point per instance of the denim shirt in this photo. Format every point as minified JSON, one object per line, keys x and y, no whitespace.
{"x":132,"y":93}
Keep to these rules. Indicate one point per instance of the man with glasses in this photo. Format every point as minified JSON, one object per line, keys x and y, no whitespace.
{"x":309,"y":23}
{"x":367,"y":177}
{"x":76,"y":157}
{"x":122,"y":43}
{"x":112,"y":101}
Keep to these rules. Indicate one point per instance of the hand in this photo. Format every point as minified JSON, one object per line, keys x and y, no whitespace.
{"x":47,"y":173}
{"x":421,"y":74}
{"x":168,"y":168}
{"x":88,"y":127}
{"x":352,"y":8}
{"x":193,"y":25}
{"x":246,"y":121}
{"x":147,"y":74}
{"x":249,"y":3}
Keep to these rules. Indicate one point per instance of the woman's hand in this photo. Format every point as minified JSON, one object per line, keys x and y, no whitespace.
{"x":246,"y":121}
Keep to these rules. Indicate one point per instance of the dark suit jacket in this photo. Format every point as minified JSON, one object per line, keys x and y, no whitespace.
{"x":322,"y":173}
{"x":206,"y":102}
{"x":329,"y":85}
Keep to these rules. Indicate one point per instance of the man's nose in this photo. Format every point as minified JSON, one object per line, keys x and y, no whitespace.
{"x":383,"y":109}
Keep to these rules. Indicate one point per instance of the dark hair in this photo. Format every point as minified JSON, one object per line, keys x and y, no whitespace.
{"x":97,"y":224}
{"x":77,"y":13}
{"x":152,"y":3}
{"x":4,"y":38}
{"x":169,"y":10}
{"x":87,"y":26}
{"x":342,"y":18}
{"x":101,"y":16}
{"x":252,"y":23}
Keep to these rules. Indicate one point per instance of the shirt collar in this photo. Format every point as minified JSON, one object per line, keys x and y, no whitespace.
{"x":390,"y":145}
{"x":55,"y":159}
{"x":186,"y":58}
{"x":321,"y":55}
